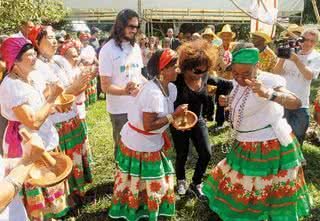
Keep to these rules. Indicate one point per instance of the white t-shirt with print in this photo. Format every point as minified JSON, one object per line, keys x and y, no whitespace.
{"x":121,"y":66}
{"x":150,"y":100}
{"x":296,"y":82}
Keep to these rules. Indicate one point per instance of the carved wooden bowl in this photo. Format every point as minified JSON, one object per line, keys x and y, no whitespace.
{"x":45,"y":176}
{"x":185,"y":122}
{"x":64,"y":102}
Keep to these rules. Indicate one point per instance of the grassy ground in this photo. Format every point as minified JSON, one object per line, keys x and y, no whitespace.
{"x":99,"y":193}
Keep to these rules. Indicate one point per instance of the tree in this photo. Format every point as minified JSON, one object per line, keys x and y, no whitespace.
{"x":13,"y":12}
{"x":309,"y":15}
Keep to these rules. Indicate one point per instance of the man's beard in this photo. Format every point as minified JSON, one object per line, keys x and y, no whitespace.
{"x":129,"y":39}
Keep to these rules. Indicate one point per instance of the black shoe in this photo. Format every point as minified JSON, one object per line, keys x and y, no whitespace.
{"x":196,"y":190}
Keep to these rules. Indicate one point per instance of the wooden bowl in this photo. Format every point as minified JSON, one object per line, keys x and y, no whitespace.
{"x":64,"y":102}
{"x":46,"y":176}
{"x":211,"y":89}
{"x":185,"y":122}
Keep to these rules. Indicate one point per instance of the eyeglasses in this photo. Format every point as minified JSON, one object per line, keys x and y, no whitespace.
{"x":198,"y":71}
{"x":133,"y":26}
{"x":308,"y":39}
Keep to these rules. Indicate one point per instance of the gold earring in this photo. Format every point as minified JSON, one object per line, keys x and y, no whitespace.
{"x":161,"y":77}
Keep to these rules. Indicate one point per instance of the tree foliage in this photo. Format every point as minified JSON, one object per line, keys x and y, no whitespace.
{"x":13,"y":12}
{"x":309,"y":15}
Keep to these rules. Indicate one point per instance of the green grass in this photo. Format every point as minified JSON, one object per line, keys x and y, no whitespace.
{"x":98,"y":197}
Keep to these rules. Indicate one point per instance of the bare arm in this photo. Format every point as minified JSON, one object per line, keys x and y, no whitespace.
{"x":151,"y":121}
{"x":31,"y":119}
{"x":34,"y":119}
{"x":287,"y":99}
{"x":108,"y":87}
{"x":79,"y":85}
{"x":8,"y":191}
{"x":305,"y":70}
{"x":282,"y":96}
{"x":278,"y":68}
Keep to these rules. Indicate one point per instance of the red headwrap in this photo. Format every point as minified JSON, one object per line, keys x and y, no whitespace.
{"x":10,"y":49}
{"x":35,"y":31}
{"x":166,"y":57}
{"x":33,"y":34}
{"x":66,"y":46}
{"x":84,"y":36}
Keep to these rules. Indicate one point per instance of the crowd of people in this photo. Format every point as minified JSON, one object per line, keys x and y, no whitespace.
{"x":148,"y":85}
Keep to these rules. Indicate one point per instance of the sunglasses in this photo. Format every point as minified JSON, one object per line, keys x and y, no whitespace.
{"x":133,"y":26}
{"x":198,"y":71}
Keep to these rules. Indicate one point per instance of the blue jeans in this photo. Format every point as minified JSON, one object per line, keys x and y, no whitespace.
{"x":299,"y":121}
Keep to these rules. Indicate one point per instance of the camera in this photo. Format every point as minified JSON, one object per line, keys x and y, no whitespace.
{"x":286,"y":46}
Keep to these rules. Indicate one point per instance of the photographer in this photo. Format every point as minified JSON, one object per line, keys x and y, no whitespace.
{"x":299,"y":70}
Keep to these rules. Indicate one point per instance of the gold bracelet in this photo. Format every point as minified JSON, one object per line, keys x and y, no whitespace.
{"x":283,"y":99}
{"x":170,"y":118}
{"x":17,"y":185}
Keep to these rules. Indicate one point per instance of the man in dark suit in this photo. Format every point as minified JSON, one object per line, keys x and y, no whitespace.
{"x":174,"y":42}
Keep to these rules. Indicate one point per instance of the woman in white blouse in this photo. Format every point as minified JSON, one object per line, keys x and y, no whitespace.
{"x":144,"y":180}
{"x":261,"y":177}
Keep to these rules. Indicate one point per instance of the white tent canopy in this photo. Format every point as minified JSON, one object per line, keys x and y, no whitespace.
{"x":292,"y":6}
{"x":179,"y":11}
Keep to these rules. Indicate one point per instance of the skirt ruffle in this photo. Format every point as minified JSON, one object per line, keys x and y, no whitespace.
{"x":144,"y":185}
{"x":74,"y":143}
{"x":259,"y":181}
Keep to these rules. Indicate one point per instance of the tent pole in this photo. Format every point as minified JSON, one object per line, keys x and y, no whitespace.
{"x":316,"y":11}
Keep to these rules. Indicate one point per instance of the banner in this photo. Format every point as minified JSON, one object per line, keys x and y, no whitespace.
{"x":266,"y":11}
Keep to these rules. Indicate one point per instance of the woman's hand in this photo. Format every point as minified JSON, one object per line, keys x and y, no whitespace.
{"x":180,"y":110}
{"x":81,"y":82}
{"x":53,"y":90}
{"x":258,"y":88}
{"x":33,"y":148}
{"x":132,"y":89}
{"x":223,"y":100}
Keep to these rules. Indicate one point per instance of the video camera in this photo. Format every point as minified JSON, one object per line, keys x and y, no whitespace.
{"x":286,"y":46}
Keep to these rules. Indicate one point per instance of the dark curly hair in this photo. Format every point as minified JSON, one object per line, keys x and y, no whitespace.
{"x":117,"y":32}
{"x":153,"y":63}
{"x":196,"y":53}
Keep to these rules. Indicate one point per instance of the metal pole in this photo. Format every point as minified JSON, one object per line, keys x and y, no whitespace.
{"x":140,"y":8}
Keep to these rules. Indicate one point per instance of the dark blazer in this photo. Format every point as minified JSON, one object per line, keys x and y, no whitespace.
{"x":175,"y":43}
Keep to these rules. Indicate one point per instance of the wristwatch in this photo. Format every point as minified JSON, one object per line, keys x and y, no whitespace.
{"x":274,"y":96}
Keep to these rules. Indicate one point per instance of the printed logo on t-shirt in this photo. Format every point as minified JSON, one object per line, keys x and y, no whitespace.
{"x":127,"y":67}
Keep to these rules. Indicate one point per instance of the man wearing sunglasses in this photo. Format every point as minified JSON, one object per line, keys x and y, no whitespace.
{"x":299,"y":71}
{"x":120,"y":64}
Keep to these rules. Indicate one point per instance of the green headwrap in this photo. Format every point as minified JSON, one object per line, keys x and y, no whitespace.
{"x":246,"y":56}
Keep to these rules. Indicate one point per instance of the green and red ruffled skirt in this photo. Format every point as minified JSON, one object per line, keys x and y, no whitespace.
{"x":74,"y":143}
{"x":259,"y":181}
{"x":91,"y":92}
{"x":144,"y":185}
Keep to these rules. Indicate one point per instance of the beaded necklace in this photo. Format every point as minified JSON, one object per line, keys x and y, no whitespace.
{"x":158,"y":83}
{"x":241,"y":102}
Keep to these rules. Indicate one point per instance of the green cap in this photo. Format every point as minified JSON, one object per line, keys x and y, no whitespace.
{"x":246,"y":56}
